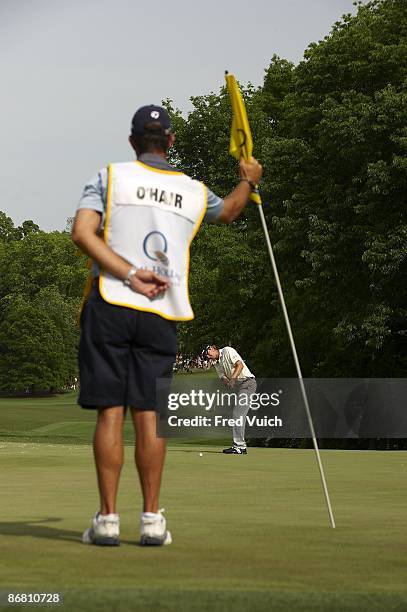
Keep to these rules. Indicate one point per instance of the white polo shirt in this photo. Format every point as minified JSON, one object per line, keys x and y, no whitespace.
{"x":225,"y":365}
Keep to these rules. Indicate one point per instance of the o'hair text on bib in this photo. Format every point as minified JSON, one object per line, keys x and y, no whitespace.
{"x":159,"y":195}
{"x":166,"y":197}
{"x":151,"y":218}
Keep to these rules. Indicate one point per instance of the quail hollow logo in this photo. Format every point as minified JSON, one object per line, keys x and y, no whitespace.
{"x":155,"y":247}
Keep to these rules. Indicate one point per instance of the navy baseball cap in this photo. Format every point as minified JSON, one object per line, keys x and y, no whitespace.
{"x":148,"y":114}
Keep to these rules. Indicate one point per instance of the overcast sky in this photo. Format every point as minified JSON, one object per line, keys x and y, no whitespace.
{"x":73,"y":73}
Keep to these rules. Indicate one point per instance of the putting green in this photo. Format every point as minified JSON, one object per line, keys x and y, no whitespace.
{"x":249,"y":531}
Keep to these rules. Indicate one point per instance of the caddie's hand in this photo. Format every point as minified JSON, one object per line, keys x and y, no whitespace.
{"x":251,"y":170}
{"x":149,"y":283}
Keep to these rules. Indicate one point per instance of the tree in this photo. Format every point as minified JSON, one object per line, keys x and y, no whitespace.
{"x":41,"y":282}
{"x":28,"y":227}
{"x":331,"y":135}
{"x":7,"y":229}
{"x":40,"y":260}
{"x":343,"y":221}
{"x":31,"y":349}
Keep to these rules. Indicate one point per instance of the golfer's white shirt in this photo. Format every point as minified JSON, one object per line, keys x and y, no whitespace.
{"x":228,"y":357}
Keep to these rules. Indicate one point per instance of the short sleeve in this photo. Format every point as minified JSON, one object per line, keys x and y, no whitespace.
{"x":214,"y":207}
{"x":94,"y":193}
{"x":233,"y":355}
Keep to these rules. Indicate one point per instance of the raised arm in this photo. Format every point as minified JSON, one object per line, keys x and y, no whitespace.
{"x":250,"y":173}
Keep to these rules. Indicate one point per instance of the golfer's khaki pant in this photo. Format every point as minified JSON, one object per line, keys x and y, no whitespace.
{"x":244,"y":391}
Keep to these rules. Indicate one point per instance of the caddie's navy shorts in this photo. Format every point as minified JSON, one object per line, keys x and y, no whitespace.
{"x":122,"y":352}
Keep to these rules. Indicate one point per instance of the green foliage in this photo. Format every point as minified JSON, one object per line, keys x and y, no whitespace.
{"x":31,"y":348}
{"x":7,"y":229}
{"x":9,"y":232}
{"x":41,"y":260}
{"x":41,"y":283}
{"x":331,"y":134}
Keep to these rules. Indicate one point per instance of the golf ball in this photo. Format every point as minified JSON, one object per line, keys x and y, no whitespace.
{"x":201,"y":454}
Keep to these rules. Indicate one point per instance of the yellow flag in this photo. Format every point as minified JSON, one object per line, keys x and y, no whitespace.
{"x":241,"y":142}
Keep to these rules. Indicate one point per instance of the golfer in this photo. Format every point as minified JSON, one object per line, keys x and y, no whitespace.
{"x":136,"y":220}
{"x":233,"y":371}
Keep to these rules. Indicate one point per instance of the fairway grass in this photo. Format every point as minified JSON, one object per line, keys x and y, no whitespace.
{"x":250,"y":532}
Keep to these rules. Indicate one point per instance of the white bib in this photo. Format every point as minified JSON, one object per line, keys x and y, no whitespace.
{"x":152,"y":217}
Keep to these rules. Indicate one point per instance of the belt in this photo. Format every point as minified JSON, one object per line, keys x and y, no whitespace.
{"x":242,"y":380}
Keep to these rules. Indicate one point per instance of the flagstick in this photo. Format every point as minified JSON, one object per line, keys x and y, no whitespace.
{"x":297,"y":364}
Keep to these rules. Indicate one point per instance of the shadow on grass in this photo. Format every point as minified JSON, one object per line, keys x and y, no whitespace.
{"x":41,"y":529}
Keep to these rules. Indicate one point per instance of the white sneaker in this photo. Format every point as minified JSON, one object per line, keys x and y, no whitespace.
{"x":104,"y":531}
{"x":153,"y":530}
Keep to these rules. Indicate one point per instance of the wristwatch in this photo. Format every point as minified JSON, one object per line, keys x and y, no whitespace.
{"x":130,"y":273}
{"x":253,"y":186}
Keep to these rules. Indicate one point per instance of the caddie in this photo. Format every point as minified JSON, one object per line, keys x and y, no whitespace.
{"x":136,"y":220}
